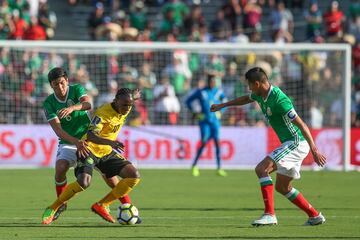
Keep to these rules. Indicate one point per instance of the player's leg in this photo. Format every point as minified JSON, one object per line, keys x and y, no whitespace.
{"x":283,"y":186}
{"x":83,"y":173}
{"x":263,"y":170}
{"x":288,"y":166}
{"x":205,"y":135}
{"x":116,"y":165}
{"x":215,"y":129}
{"x":112,"y":182}
{"x":66,"y":158}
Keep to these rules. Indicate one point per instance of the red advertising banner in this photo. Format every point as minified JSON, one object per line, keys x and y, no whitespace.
{"x":159,"y":146}
{"x":355,"y":146}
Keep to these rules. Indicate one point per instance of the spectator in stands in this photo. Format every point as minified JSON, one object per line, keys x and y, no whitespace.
{"x":313,"y":18}
{"x":19,"y":24}
{"x":179,"y":72}
{"x":282,"y":23}
{"x":239,"y":36}
{"x":179,"y":11}
{"x":356,"y":57}
{"x":96,"y":18}
{"x":251,"y":20}
{"x":82,"y":76}
{"x":231,"y":78}
{"x":334,"y":19}
{"x":220,"y":28}
{"x":128,"y":76}
{"x":166,"y":104}
{"x":47,"y":19}
{"x":147,"y":81}
{"x":216,"y":67}
{"x":35,"y":31}
{"x":194,"y":20}
{"x":232,"y":13}
{"x":316,"y":116}
{"x":6,"y":27}
{"x":138,"y":18}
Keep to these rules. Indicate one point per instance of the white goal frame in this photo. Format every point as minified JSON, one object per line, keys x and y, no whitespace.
{"x":122,"y":47}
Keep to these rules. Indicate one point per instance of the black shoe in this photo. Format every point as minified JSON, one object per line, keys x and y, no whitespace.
{"x":60,"y":210}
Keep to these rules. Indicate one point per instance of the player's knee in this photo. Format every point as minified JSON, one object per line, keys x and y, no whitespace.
{"x":84,"y":181}
{"x":259,"y":170}
{"x":61,"y":167}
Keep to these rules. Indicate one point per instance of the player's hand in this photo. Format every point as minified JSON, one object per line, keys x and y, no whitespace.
{"x":65,"y":112}
{"x":215,"y":107}
{"x":319,"y":158}
{"x":136,"y":94}
{"x":82,"y":149}
{"x":119,"y":146}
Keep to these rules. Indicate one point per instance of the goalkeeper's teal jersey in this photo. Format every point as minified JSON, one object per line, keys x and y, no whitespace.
{"x":279,"y":112}
{"x":77,"y":122}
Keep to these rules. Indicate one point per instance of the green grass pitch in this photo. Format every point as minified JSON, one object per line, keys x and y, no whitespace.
{"x":175,"y":205}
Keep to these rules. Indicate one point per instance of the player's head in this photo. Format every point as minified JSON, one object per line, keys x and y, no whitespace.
{"x":211,"y":80}
{"x":123,"y":100}
{"x":58,"y":81}
{"x":256,"y":77}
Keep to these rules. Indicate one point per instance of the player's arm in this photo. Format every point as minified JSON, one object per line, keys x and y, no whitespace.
{"x":83,"y":105}
{"x":235,"y":102}
{"x":318,"y":157}
{"x":95,"y":138}
{"x":80,"y":145}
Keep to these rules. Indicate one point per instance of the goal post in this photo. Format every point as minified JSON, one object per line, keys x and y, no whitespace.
{"x":302,"y":70}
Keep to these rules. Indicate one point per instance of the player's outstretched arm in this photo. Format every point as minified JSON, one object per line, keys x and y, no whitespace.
{"x":84,"y":105}
{"x":319,"y":158}
{"x":235,"y":102}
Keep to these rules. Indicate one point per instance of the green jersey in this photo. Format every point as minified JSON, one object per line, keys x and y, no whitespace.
{"x":279,"y":112}
{"x":77,"y":122}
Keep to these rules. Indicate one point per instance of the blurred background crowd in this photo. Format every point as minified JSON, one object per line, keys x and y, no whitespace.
{"x":312,"y":79}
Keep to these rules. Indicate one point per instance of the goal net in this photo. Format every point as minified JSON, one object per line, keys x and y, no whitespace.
{"x":315,"y":77}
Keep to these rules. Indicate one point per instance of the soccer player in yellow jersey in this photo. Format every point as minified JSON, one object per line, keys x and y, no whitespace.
{"x":104,"y":154}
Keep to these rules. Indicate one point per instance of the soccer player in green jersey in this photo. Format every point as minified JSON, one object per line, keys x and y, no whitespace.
{"x":296,"y":141}
{"x":66,"y":112}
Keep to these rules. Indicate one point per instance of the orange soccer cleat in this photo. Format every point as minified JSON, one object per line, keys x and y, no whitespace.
{"x":102,"y":212}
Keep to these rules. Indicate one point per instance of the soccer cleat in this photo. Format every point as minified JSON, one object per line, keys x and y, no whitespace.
{"x":265,"y":220}
{"x":221,"y":173}
{"x":48,"y":216}
{"x":102,"y":212}
{"x":312,"y":221}
{"x":60,"y":210}
{"x":195,"y":171}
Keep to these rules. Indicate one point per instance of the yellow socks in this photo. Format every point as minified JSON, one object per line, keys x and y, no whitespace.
{"x":70,"y":191}
{"x":122,"y":188}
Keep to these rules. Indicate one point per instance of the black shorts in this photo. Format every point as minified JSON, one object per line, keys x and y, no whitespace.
{"x":110,"y":165}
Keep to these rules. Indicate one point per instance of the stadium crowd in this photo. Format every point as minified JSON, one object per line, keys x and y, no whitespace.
{"x":166,"y":78}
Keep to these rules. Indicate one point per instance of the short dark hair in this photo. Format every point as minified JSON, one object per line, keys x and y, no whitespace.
{"x":56,"y":73}
{"x":123,"y":92}
{"x":256,"y":74}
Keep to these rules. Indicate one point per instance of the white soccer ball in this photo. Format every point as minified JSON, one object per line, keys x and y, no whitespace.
{"x":128,"y":214}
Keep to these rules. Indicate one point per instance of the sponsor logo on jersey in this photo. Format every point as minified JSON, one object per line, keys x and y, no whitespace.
{"x":96,"y":120}
{"x":268,"y":111}
{"x":70,"y":103}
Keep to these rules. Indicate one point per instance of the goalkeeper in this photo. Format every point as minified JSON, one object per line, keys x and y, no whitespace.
{"x":209,"y":122}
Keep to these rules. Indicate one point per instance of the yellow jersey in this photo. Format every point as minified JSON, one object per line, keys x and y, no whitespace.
{"x":106,"y":123}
